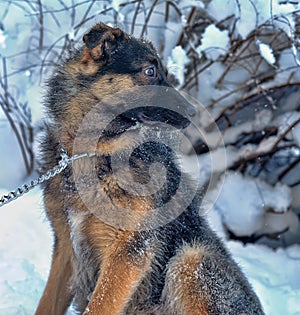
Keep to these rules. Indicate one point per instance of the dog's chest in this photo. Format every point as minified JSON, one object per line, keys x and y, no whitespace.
{"x":76,"y":223}
{"x":91,"y":237}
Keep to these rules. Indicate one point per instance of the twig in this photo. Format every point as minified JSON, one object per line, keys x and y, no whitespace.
{"x":288,"y":169}
{"x":41,"y":22}
{"x":148,"y":18}
{"x":5,"y":104}
{"x":282,"y":135}
{"x":188,"y":81}
{"x":136,"y":12}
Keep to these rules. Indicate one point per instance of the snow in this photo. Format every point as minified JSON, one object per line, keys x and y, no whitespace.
{"x":274,"y":275}
{"x":244,"y":205}
{"x":2,"y":39}
{"x":252,"y":13}
{"x":8,"y":148}
{"x":25,"y":251}
{"x":296,"y":134}
{"x":214,"y":42}
{"x":116,"y":4}
{"x":221,"y":9}
{"x":176,"y":63}
{"x":173,"y":53}
{"x":285,"y":121}
{"x":20,"y":286}
{"x":266,"y":52}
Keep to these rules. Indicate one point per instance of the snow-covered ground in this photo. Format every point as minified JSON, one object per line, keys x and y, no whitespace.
{"x":25,"y":249}
{"x":25,"y":252}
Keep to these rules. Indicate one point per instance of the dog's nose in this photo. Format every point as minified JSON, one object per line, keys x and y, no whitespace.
{"x":191,"y":111}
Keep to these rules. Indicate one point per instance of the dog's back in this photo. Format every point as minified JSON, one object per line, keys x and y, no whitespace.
{"x":102,"y":261}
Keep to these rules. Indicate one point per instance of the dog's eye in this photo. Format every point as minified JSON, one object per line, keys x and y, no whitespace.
{"x":150,"y":71}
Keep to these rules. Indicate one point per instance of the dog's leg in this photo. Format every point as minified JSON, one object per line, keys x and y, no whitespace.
{"x":182,"y":294}
{"x":201,"y":281}
{"x":57,"y":295}
{"x":118,"y":281}
{"x":123,"y":266}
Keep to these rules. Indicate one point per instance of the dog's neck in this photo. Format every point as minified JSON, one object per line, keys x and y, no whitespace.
{"x":103,"y":167}
{"x":135,"y":182}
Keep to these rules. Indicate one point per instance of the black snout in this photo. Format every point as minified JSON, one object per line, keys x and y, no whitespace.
{"x":185,"y":107}
{"x":191,"y":110}
{"x":162,"y":107}
{"x":152,"y":115}
{"x":147,"y":115}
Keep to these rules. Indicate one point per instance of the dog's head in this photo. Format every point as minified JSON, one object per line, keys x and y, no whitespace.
{"x":130,"y":62}
{"x":113,"y":52}
{"x":109,"y":62}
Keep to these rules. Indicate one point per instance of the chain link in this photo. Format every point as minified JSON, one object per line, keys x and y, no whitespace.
{"x":57,"y":169}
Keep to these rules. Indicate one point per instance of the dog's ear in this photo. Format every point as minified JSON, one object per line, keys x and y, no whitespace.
{"x":101,"y":41}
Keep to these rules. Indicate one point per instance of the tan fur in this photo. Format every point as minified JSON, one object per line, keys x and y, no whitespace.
{"x":108,"y":85}
{"x":120,"y":273}
{"x":184,"y":268}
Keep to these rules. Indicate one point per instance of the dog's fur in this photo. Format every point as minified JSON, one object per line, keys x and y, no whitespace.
{"x":179,"y":268}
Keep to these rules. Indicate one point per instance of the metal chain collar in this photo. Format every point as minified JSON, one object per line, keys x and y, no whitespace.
{"x":57,"y":169}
